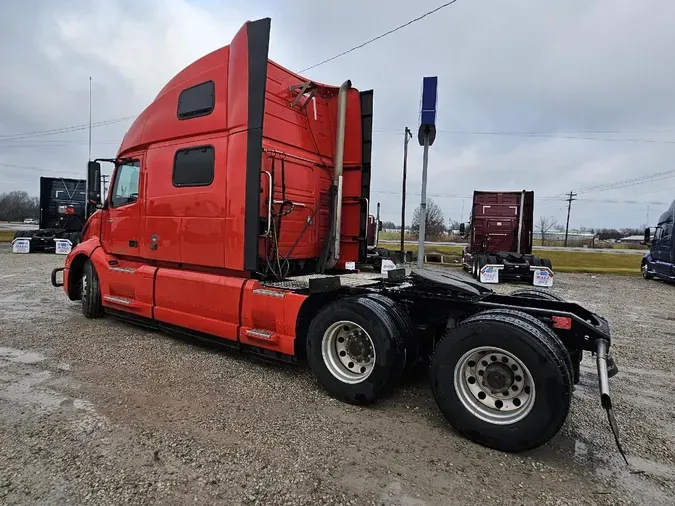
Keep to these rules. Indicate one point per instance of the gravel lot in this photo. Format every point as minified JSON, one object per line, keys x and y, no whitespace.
{"x":101,"y":412}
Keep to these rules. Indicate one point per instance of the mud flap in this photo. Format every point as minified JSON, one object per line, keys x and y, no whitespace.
{"x":603,"y":360}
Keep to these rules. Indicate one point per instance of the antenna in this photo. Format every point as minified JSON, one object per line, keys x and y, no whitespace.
{"x":89,"y":117}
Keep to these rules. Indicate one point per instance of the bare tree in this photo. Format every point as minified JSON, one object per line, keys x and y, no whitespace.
{"x":18,"y":205}
{"x":434,"y":224}
{"x":453,"y":224}
{"x":545,"y":226}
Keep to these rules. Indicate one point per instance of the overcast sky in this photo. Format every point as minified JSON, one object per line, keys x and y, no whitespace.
{"x":558,"y":69}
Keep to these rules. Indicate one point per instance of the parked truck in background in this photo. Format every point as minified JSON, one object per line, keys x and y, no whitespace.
{"x":500,"y":236}
{"x":62,"y":214}
{"x":659,"y":262}
{"x":376,"y":255}
{"x":237,"y":212}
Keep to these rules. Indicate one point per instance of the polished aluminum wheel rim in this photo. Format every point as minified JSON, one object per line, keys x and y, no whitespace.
{"x":494,"y":385}
{"x":83,"y":288}
{"x":348,"y":352}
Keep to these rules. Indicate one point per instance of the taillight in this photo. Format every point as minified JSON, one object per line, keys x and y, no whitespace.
{"x":562,"y":322}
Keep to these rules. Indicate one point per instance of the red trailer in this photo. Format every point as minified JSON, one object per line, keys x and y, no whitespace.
{"x":237,"y":208}
{"x":500,"y":236}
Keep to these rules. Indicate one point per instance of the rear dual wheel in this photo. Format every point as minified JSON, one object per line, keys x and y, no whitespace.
{"x":502,"y":380}
{"x":479,"y":261}
{"x":360,"y":347}
{"x":536,"y":261}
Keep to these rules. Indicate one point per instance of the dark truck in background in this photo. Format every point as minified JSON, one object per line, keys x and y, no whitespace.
{"x":659,"y":262}
{"x":500,"y":235}
{"x":62,"y":213}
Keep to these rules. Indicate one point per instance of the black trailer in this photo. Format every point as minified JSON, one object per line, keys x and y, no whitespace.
{"x":62,"y":213}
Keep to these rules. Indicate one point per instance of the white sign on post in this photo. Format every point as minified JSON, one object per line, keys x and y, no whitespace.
{"x":387,"y":265}
{"x":489,"y":274}
{"x":543,"y":277}
{"x":21,"y":246}
{"x":63,"y":246}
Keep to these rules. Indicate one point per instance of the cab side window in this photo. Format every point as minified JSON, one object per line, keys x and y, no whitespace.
{"x":125,"y":188}
{"x":194,"y":166}
{"x":667,"y":233}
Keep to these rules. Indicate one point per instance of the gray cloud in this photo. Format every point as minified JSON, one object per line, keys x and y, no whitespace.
{"x":557,"y":68}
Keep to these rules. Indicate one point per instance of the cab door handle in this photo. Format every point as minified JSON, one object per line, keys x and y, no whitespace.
{"x":133,"y":244}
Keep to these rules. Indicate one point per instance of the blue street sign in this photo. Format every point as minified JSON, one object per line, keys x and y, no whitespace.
{"x":428,"y":110}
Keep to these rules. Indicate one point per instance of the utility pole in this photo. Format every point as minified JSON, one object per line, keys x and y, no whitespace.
{"x":570,"y":199}
{"x":407,"y":137}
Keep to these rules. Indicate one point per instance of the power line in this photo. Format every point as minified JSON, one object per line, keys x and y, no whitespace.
{"x":53,"y":145}
{"x":647,"y":178}
{"x":429,"y":13}
{"x":73,"y":128}
{"x":541,"y":135}
{"x":11,"y":165}
{"x":31,"y":168}
{"x":547,"y":200}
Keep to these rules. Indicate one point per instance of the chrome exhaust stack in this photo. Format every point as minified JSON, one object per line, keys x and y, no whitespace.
{"x":336,"y":224}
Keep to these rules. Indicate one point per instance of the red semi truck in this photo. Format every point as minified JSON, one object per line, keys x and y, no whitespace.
{"x":237,"y":210}
{"x":500,"y":236}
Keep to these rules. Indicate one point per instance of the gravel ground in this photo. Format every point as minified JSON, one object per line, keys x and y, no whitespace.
{"x":101,"y":412}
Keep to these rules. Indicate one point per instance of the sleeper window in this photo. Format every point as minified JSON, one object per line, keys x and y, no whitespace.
{"x":196,"y":101}
{"x":194,"y":166}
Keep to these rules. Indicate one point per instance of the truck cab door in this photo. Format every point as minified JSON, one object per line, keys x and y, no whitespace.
{"x":663,"y":251}
{"x":121,"y":221}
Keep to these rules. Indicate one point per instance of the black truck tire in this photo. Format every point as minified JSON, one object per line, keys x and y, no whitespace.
{"x":481,"y":261}
{"x":376,"y":348}
{"x":91,"y":292}
{"x":406,"y":329}
{"x":536,"y":293}
{"x":489,"y":354}
{"x":24,"y":234}
{"x":535,"y":261}
{"x":645,"y":270}
{"x":546,"y":262}
{"x":532,"y":320}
